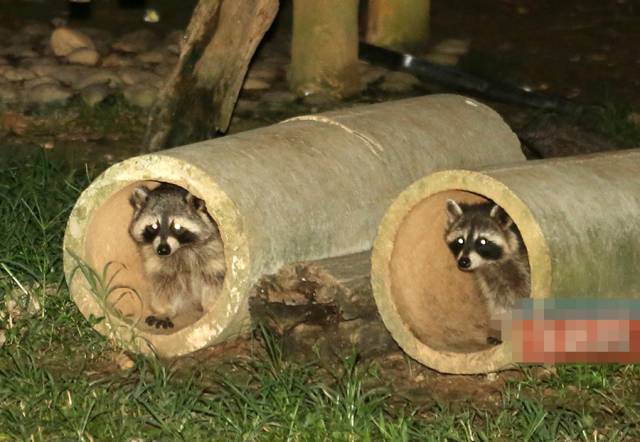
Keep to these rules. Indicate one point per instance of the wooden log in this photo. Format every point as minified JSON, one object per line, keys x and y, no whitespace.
{"x":398,"y":24}
{"x":324,"y":48}
{"x":197,"y":100}
{"x":577,"y":219}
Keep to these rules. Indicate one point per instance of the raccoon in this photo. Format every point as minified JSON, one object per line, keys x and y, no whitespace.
{"x":181,"y":249}
{"x":484,"y":240}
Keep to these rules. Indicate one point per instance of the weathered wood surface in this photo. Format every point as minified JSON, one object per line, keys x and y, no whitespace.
{"x":323,"y":306}
{"x":197,"y":101}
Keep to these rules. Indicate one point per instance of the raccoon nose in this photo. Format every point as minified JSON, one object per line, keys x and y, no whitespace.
{"x":163,"y":249}
{"x":464,"y":262}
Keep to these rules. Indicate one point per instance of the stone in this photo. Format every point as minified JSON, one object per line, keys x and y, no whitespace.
{"x":3,"y":61}
{"x":29,"y":84}
{"x":452,"y":46}
{"x":100,"y":37}
{"x":319,"y":100}
{"x":18,"y":74}
{"x":8,"y":94}
{"x":264,"y":72}
{"x":278,"y":97}
{"x":84,"y":56}
{"x":244,"y":106}
{"x":398,"y":82}
{"x":101,"y":76}
{"x":135,"y":42}
{"x":151,"y":57}
{"x":118,"y":60}
{"x":163,"y":70}
{"x":131,"y":76}
{"x":47,"y":94}
{"x":38,"y":30}
{"x":369,"y":73}
{"x":15,"y":50}
{"x":95,"y":94}
{"x":43,"y":67}
{"x":442,"y":59}
{"x":173,"y":41}
{"x":255,"y":84}
{"x":64,"y":41}
{"x":634,"y":118}
{"x":71,"y":75}
{"x":140,"y":95}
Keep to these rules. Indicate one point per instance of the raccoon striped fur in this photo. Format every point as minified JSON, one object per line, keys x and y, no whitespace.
{"x":485,"y":241}
{"x":181,"y":249}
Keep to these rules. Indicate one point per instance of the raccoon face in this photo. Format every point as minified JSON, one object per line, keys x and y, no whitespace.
{"x":479,"y":234}
{"x":168,"y":218}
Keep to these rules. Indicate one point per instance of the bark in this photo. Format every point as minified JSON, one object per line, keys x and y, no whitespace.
{"x":324,"y":48}
{"x":197,"y":101}
{"x":399,"y":24}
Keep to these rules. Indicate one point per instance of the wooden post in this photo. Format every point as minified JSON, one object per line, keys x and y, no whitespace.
{"x":399,"y":24}
{"x":197,"y":101}
{"x":324,"y":48}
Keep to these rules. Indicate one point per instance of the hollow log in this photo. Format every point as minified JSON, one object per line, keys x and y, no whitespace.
{"x":575,"y":215}
{"x":324,"y":48}
{"x":309,"y":188}
{"x":197,"y":100}
{"x":398,"y":24}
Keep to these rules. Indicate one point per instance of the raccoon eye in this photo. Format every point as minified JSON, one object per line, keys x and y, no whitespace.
{"x":482,"y":241}
{"x":153,"y":227}
{"x":177,"y":227}
{"x":460,"y":240}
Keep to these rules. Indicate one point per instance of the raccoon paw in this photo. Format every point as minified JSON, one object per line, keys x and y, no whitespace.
{"x":159,"y":323}
{"x":492,"y":340}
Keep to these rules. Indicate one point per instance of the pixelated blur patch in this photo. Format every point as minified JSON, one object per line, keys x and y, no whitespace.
{"x":574,"y":331}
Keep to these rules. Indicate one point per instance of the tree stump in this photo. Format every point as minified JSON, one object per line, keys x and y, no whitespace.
{"x":324,"y":47}
{"x":399,"y":24}
{"x":197,"y":101}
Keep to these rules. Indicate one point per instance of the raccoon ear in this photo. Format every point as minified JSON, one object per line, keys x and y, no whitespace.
{"x":194,"y":202}
{"x":454,"y":211}
{"x":139,"y":197}
{"x":499,"y":214}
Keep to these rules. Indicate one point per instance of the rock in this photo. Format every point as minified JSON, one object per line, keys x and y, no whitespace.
{"x":101,"y":38}
{"x":15,"y":50}
{"x":3,"y":61}
{"x":124,"y":362}
{"x":18,"y":74}
{"x":95,"y":94}
{"x":369,"y":73}
{"x":164,"y":70}
{"x":102,"y":76}
{"x":151,"y":57}
{"x":64,"y":41}
{"x":173,"y":41}
{"x":278,"y":97}
{"x":244,"y":106}
{"x":71,"y":75}
{"x":41,"y":67}
{"x":319,"y":100}
{"x":84,"y":56}
{"x":140,"y":95}
{"x":29,"y":84}
{"x":442,"y":59}
{"x":135,"y":42}
{"x":117,"y":61}
{"x":8,"y":94}
{"x":452,"y":46}
{"x":38,"y":30}
{"x":131,"y":76}
{"x":255,"y":84}
{"x":634,"y":118}
{"x":47,"y":94}
{"x":398,"y":82}
{"x":266,"y":73}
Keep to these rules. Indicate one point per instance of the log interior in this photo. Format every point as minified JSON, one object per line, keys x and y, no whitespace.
{"x":439,"y":304}
{"x":108,"y":240}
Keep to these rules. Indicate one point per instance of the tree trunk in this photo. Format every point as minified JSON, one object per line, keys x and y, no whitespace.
{"x":197,"y":101}
{"x":399,"y":24}
{"x":324,"y":48}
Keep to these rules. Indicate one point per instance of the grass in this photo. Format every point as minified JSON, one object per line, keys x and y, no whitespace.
{"x":58,"y":380}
